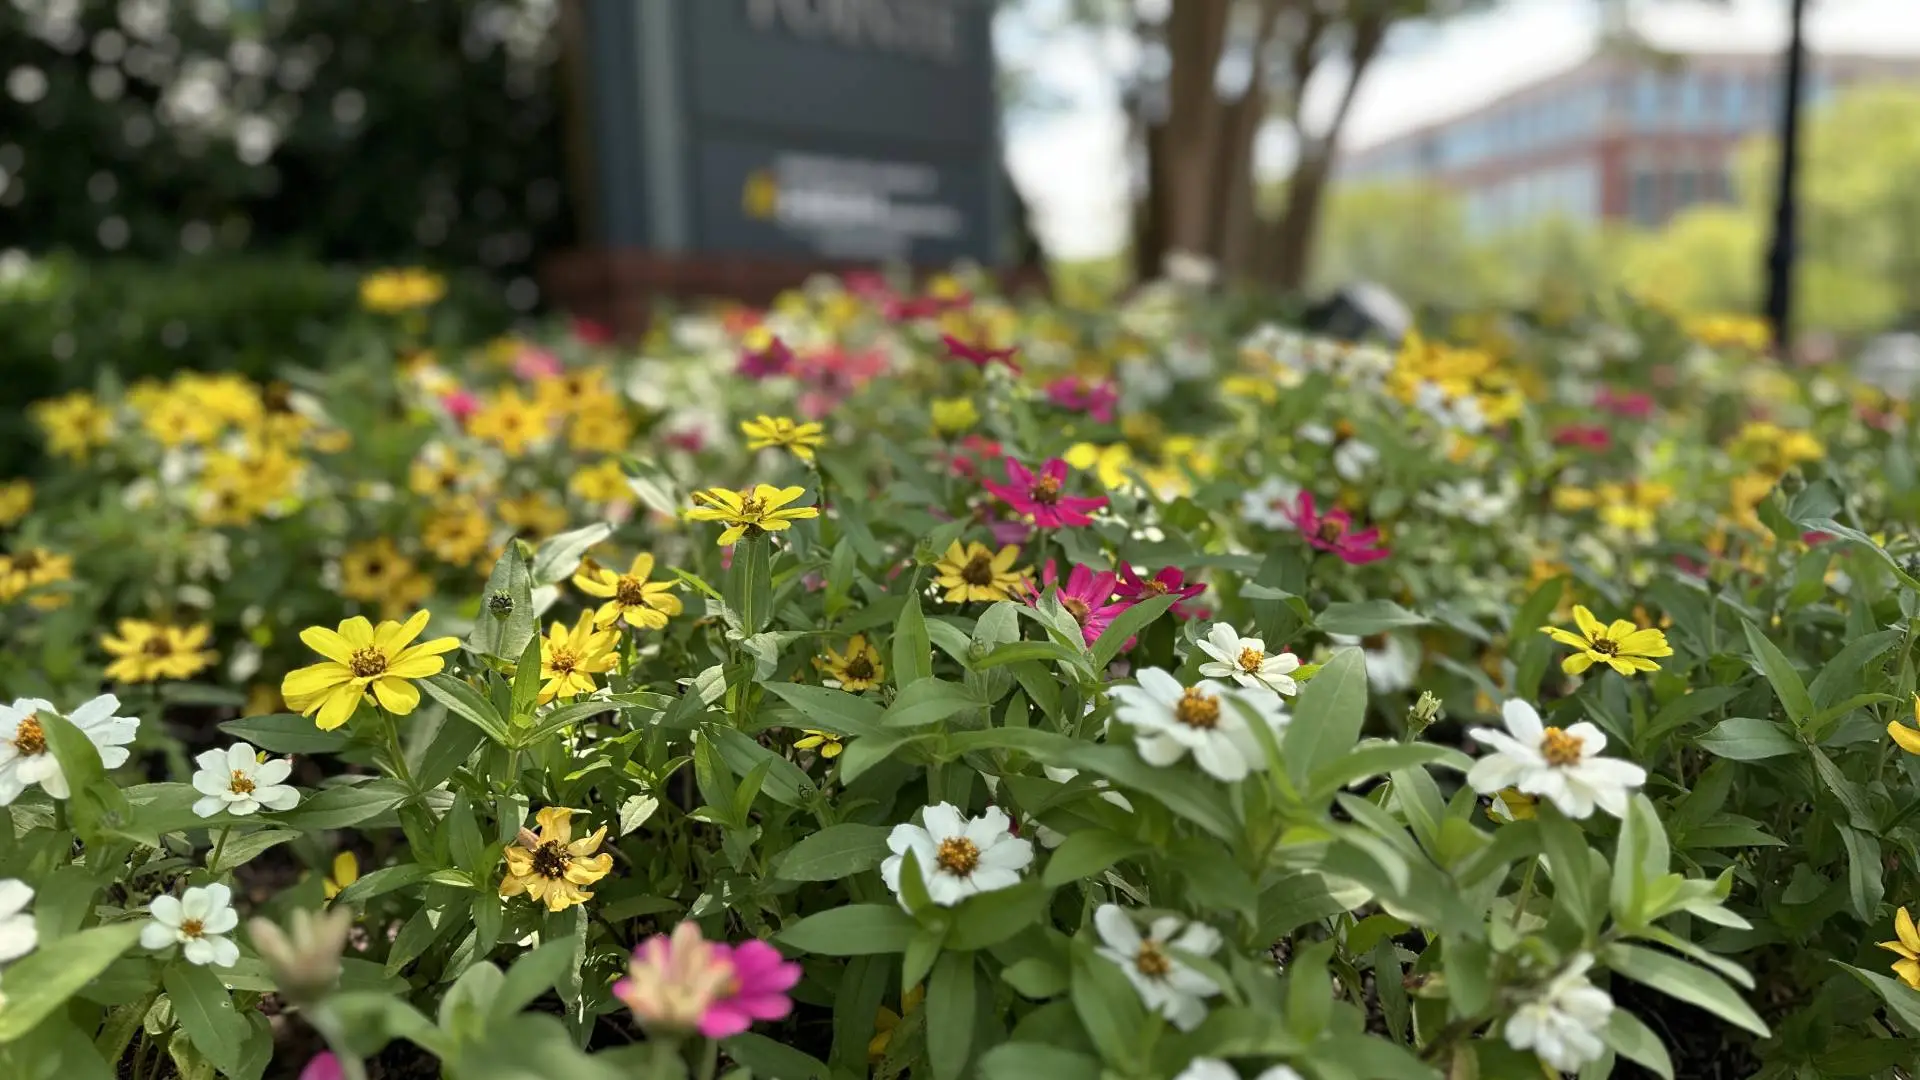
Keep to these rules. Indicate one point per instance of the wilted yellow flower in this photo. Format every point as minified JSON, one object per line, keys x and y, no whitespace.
{"x":781,"y":431}
{"x":551,"y":866}
{"x":570,"y":658}
{"x":630,"y":597}
{"x":976,"y":572}
{"x":390,"y":292}
{"x":149,"y":652}
{"x":1904,"y":737}
{"x":364,"y":661}
{"x":954,"y":415}
{"x":886,"y":1020}
{"x":751,"y":514}
{"x":859,"y":668}
{"x":1622,"y":646}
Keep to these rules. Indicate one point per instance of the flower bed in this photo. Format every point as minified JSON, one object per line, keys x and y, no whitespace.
{"x":891,"y":684}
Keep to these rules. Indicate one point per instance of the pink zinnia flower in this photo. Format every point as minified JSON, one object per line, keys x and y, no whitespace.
{"x":1096,"y":399}
{"x":324,"y":1066}
{"x":674,"y":982}
{"x":1333,"y":532}
{"x":534,"y":363}
{"x":976,"y":355}
{"x":1584,"y":436}
{"x":757,"y":990}
{"x":1041,"y":496}
{"x":1632,"y":403}
{"x":1170,"y":580}
{"x":588,"y":332}
{"x":1087,"y":595}
{"x":688,"y":439}
{"x":775,"y":359}
{"x":459,"y":404}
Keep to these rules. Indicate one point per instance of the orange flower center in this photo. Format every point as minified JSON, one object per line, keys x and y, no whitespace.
{"x":240,"y":783}
{"x":1250,"y":660}
{"x":957,"y":856}
{"x":1077,"y":608}
{"x":192,"y":928}
{"x":1152,"y":962}
{"x":1560,"y":748}
{"x":1197,"y":710}
{"x":563,"y":661}
{"x":1045,"y":491}
{"x":156,"y":646}
{"x":30,"y":738}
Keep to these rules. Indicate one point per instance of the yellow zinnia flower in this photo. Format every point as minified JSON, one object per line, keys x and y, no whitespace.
{"x":511,"y":422}
{"x":1907,"y":948}
{"x":569,"y":659}
{"x":630,"y":597}
{"x":457,"y":532}
{"x":16,"y":499}
{"x":33,"y":568}
{"x":602,"y":483}
{"x":1110,"y":462}
{"x":75,"y":424}
{"x":534,"y":514}
{"x":1622,"y":646}
{"x":975,"y":572}
{"x":859,"y":668}
{"x":551,"y":865}
{"x":377,"y":573}
{"x":599,"y":429}
{"x":149,"y":652}
{"x":826,"y":743}
{"x":362,"y":661}
{"x":390,"y":292}
{"x":954,"y":415}
{"x":781,"y":431}
{"x":751,"y":514}
{"x":346,"y":871}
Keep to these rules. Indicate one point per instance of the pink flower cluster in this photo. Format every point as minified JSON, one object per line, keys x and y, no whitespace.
{"x":685,"y":983}
{"x":1096,"y":597}
{"x":1096,"y":398}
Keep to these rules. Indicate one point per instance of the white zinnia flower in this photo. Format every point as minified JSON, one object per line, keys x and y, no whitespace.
{"x":1470,"y":500}
{"x":25,"y":758}
{"x":1561,"y":766}
{"x":1167,"y":986}
{"x":1563,"y":1024}
{"x":1354,"y":459}
{"x":198,"y":921}
{"x":236,"y":781}
{"x":958,"y":856}
{"x":1245,"y":660}
{"x":1172,"y":720}
{"x":1206,"y":1068}
{"x":1268,"y":505}
{"x":18,"y":934}
{"x":1393,"y":660}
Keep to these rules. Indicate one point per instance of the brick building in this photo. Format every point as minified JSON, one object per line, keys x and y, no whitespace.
{"x":1613,"y":138}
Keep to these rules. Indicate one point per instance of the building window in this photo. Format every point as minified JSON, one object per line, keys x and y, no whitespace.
{"x":1643,"y":195}
{"x":1733,"y":103}
{"x":1646,"y":100}
{"x":1685,"y":188}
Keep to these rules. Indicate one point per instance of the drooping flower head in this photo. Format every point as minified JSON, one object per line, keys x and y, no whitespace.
{"x":364,"y":661}
{"x":1043,"y":496}
{"x":1087,"y":595}
{"x":1333,"y":532}
{"x":751,"y":514}
{"x":1622,"y":646}
{"x":977,"y":572}
{"x":1562,"y":766}
{"x":672,"y":982}
{"x":550,"y":865}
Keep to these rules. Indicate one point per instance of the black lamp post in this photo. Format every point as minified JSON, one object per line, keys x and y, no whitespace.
{"x":1780,"y":255}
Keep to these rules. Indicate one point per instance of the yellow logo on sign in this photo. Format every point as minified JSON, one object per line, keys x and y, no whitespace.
{"x":761,"y":198}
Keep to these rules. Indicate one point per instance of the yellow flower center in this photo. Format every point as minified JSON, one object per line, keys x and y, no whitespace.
{"x":1152,"y":962}
{"x":751,"y":508}
{"x":1560,"y":748}
{"x":240,"y":783}
{"x":979,"y":570}
{"x":1077,"y":608}
{"x":1250,"y":660}
{"x":630,"y":591}
{"x":1329,"y":530}
{"x":192,"y":928}
{"x":1046,"y":491}
{"x":30,"y":738}
{"x":1197,"y":710}
{"x":367,"y":663}
{"x":550,"y":860}
{"x":1153,"y":587}
{"x":958,"y":856}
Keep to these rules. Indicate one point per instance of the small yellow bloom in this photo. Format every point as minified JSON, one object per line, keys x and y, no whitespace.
{"x":630,"y":597}
{"x":457,"y":531}
{"x":551,"y":866}
{"x":1907,"y":948}
{"x":1622,"y":646}
{"x":602,"y":483}
{"x":346,"y":871}
{"x":599,"y":429}
{"x":30,"y":569}
{"x":1904,"y":737}
{"x":75,"y":424}
{"x":569,"y":659}
{"x":976,"y":572}
{"x":751,"y":514}
{"x":535,"y":515}
{"x":825,"y":743}
{"x":364,"y":661}
{"x":954,"y":415}
{"x":781,"y":431}
{"x":1248,"y":387}
{"x":390,"y":292}
{"x":16,"y":501}
{"x":1567,"y":498}
{"x":1110,"y":462}
{"x":149,"y":652}
{"x":438,"y":470}
{"x":263,"y":699}
{"x":859,"y":668}
{"x":375,"y":572}
{"x":511,"y":422}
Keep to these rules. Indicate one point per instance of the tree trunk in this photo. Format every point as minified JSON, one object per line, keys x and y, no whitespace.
{"x":1192,"y":129}
{"x":1233,"y":193}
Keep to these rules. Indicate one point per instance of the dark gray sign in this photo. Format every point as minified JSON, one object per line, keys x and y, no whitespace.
{"x":858,"y":129}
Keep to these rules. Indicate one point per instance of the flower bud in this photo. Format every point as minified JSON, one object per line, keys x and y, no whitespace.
{"x":1423,"y":713}
{"x":305,"y":956}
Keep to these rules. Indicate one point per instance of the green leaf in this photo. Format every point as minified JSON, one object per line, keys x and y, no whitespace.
{"x":1636,"y":1042}
{"x":749,"y":583}
{"x":835,"y":852}
{"x":1014,"y":652}
{"x":526,"y":683}
{"x":242,"y":849}
{"x":950,"y":1020}
{"x":382,"y":881}
{"x":468,"y":704}
{"x":532,"y":975}
{"x":1743,"y":738}
{"x":340,"y":807}
{"x":1366,"y":617}
{"x":1678,"y":979}
{"x":451,"y":747}
{"x":205,"y":1012}
{"x":1780,"y":672}
{"x":503,"y":635}
{"x":1902,"y":1001}
{"x":1037,"y":1061}
{"x":1086,"y":853}
{"x":286,"y":733}
{"x":559,"y":556}
{"x":853,"y":930}
{"x":1866,"y":883}
{"x":929,"y":701}
{"x":988,"y":918}
{"x":1328,"y":717}
{"x":1109,"y":1009}
{"x":1135,"y":618}
{"x":1036,"y":978}
{"x":831,"y":710}
{"x":1640,"y":858}
{"x":1375,"y":758}
{"x":1570,"y":865}
{"x":96,"y":805}
{"x":44,"y":979}
{"x":774,"y":1060}
{"x":912,"y":650}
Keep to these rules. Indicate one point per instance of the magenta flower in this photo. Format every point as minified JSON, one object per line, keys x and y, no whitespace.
{"x":757,"y":990}
{"x":1584,"y":436}
{"x":324,"y":1066}
{"x":1041,"y":497}
{"x":1170,"y":580}
{"x":775,"y":359}
{"x":977,"y":356}
{"x":459,"y":404}
{"x":1631,"y":403}
{"x":1333,"y":532}
{"x":1087,"y":595}
{"x":1096,"y":399}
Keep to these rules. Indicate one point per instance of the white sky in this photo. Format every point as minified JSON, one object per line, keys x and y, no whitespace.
{"x":1070,"y":160}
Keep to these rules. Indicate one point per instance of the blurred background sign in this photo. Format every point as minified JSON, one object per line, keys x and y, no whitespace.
{"x":795,"y":129}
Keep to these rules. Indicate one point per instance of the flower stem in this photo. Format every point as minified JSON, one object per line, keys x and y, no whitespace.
{"x":390,"y":725}
{"x":328,"y":1025}
{"x":219,"y":845}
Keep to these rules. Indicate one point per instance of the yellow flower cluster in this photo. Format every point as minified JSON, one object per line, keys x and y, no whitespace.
{"x":145,"y":651}
{"x":31,"y":573}
{"x":394,"y":292}
{"x":1459,"y":373}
